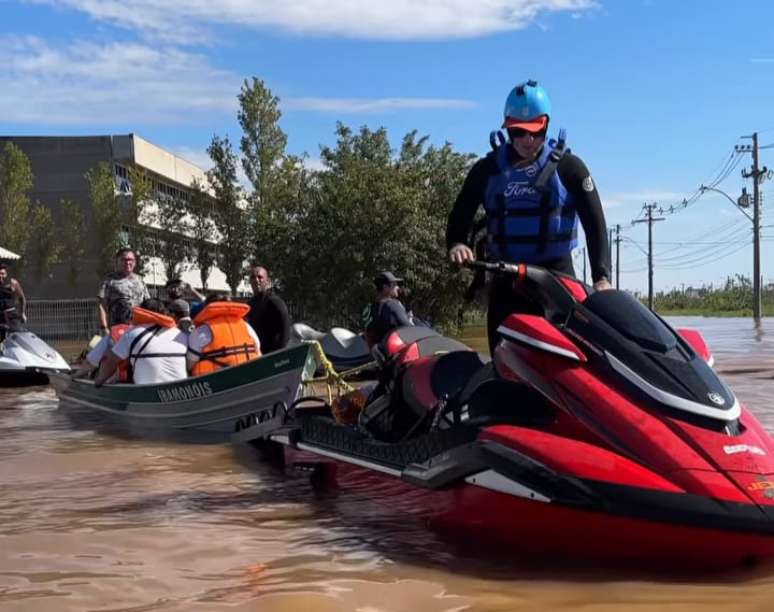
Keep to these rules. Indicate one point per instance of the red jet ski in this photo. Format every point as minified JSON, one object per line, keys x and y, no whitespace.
{"x":597,"y":431}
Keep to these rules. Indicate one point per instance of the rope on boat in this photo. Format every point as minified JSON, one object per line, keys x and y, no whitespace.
{"x":330,"y":377}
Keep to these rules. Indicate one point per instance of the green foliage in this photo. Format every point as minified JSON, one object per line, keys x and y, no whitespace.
{"x":263,"y":141}
{"x":44,"y":250}
{"x":229,"y":216}
{"x":137,"y":213}
{"x":72,"y":238}
{"x":107,"y":216}
{"x":15,"y":184}
{"x":735,"y":297}
{"x":174,"y":248}
{"x":202,"y":230}
{"x":370,"y":210}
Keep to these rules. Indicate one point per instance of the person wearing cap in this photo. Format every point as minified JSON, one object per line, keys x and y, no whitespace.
{"x":533,"y":192}
{"x":387,"y":312}
{"x":181,"y":311}
{"x":268,"y":314}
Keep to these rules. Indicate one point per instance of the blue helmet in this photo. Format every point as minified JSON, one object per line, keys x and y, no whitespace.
{"x":527,"y":107}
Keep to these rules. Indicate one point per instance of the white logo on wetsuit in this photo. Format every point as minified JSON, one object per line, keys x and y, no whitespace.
{"x":516,"y":189}
{"x":588,"y":184}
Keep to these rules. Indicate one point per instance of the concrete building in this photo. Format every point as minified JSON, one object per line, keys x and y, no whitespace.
{"x":59,"y":165}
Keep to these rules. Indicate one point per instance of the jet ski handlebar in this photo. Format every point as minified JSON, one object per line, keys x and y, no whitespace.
{"x":556,"y":300}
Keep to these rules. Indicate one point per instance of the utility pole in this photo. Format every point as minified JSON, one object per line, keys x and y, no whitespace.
{"x":755,"y":173}
{"x":649,"y":208}
{"x":618,"y":256}
{"x":610,"y":253}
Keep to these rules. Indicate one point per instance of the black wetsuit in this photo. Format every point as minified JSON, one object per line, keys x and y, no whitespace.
{"x":577,"y":180}
{"x":269,"y":318}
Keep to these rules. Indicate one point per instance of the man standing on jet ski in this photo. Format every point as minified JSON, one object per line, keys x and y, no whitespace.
{"x":533,"y":193}
{"x":11,"y":292}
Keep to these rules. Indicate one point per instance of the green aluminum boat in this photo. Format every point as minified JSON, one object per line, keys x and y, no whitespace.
{"x":223,"y":402}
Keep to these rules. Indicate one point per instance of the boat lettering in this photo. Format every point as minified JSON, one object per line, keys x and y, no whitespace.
{"x":185,"y":392}
{"x":743,"y":448}
{"x":282,"y":363}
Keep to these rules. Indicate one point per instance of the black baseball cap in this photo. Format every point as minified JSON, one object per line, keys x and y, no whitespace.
{"x":386,"y":278}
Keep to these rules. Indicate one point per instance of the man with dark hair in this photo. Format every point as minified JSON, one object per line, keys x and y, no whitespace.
{"x":11,"y":293}
{"x":123,"y":285}
{"x":268,"y":314}
{"x":387,"y":312}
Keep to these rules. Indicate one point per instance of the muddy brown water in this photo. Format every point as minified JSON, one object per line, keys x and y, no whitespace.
{"x":95,"y":519}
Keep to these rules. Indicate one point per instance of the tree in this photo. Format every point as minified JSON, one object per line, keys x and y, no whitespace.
{"x":202,"y":228}
{"x":370,"y":210}
{"x":44,"y":250}
{"x":174,"y":248}
{"x":263,"y":141}
{"x":15,"y":183}
{"x":107,"y":216}
{"x":72,"y":238}
{"x":229,"y":214}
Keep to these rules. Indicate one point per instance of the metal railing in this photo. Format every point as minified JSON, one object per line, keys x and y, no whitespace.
{"x":58,"y":320}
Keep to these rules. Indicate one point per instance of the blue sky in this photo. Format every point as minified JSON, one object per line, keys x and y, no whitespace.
{"x":654,"y":94}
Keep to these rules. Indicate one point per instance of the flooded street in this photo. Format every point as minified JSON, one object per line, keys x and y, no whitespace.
{"x":93,"y":519}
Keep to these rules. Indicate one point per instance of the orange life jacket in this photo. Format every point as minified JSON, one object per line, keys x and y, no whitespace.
{"x":141,"y":316}
{"x":116,"y":331}
{"x":231,"y":341}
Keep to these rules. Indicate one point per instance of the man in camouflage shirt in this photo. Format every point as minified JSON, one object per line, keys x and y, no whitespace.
{"x":120,"y":289}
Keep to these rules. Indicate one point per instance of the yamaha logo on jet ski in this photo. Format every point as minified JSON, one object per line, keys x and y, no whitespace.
{"x":716,"y":398}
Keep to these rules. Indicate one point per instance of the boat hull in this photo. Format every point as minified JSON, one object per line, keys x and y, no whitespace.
{"x":223,"y":402}
{"x":475,"y":516}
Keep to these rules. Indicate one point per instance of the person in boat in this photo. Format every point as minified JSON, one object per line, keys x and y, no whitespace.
{"x":178,"y":289}
{"x":123,"y":285}
{"x":221,"y":338}
{"x":533,"y":192}
{"x":387,"y":312}
{"x":154,"y":348}
{"x":268,"y":314}
{"x":93,"y":359}
{"x":11,"y":296}
{"x":181,"y":310}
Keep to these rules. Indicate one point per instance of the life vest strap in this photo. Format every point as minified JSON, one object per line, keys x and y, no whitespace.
{"x":562,"y":237}
{"x":242,"y":349}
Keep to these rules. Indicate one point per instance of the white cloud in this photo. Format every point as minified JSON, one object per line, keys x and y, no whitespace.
{"x":379,"y":105}
{"x":184,"y":20}
{"x":127,"y":84}
{"x":117,"y":83}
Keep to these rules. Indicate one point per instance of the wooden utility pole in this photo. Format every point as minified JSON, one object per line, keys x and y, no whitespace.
{"x":650,"y":220}
{"x":755,"y":173}
{"x":618,"y":256}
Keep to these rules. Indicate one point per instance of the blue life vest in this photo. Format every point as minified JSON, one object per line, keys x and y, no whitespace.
{"x":527,"y":223}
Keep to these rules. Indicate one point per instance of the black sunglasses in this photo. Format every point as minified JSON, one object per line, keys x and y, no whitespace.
{"x":516,"y":132}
